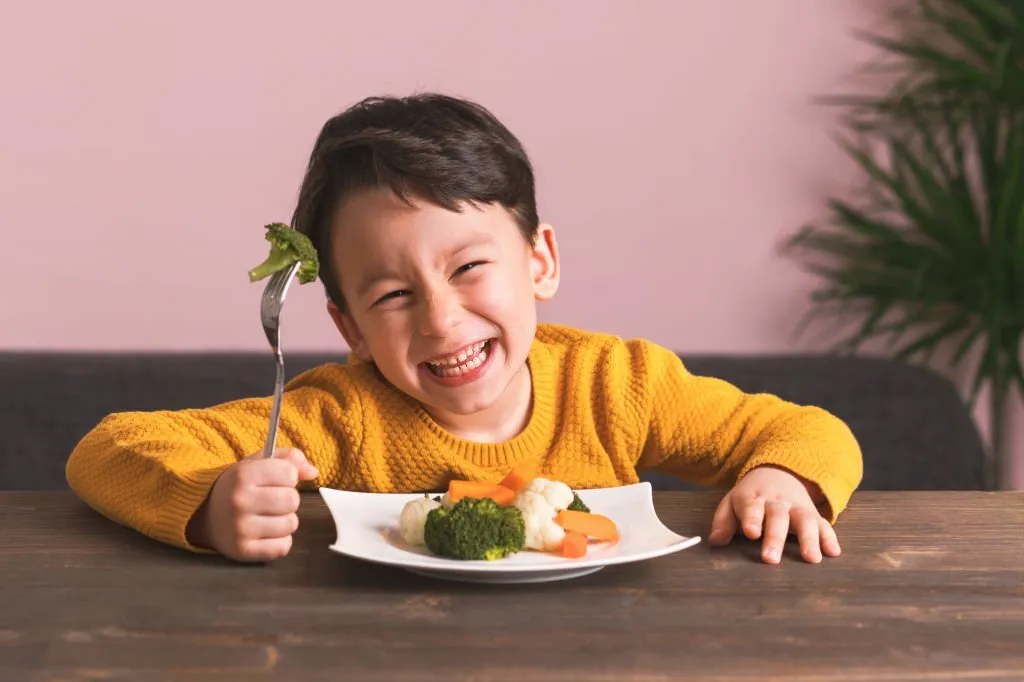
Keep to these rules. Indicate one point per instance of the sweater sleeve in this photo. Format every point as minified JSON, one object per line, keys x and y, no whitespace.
{"x":708,"y":431}
{"x":150,"y":471}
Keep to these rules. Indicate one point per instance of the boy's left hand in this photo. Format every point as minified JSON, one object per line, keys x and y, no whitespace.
{"x":773,"y":502}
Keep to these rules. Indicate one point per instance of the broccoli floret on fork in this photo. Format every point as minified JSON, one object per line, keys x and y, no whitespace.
{"x":287,"y":246}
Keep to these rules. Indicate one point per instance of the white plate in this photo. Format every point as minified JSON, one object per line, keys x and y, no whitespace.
{"x":367,"y":529}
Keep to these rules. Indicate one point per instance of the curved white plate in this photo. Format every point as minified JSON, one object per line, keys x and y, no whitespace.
{"x":367,"y":529}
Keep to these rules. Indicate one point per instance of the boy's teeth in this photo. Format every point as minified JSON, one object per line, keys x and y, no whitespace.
{"x":466,"y":361}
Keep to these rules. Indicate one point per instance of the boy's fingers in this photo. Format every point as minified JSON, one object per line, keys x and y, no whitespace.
{"x":751,"y":513}
{"x":269,"y":472}
{"x":723,"y":523}
{"x":251,"y":473}
{"x":274,"y":501}
{"x":306,"y":471}
{"x":805,"y":525}
{"x":265,"y":527}
{"x":829,"y":541}
{"x":264,"y":549}
{"x":776,"y":527}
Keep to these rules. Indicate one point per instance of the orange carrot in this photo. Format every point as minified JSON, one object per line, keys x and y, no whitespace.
{"x":458,"y":489}
{"x":520,"y":476}
{"x":587,"y":523}
{"x":574,"y":545}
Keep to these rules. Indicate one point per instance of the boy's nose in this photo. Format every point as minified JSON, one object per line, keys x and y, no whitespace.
{"x":439,"y":314}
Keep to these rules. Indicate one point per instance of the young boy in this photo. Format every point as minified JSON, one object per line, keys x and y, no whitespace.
{"x":433,"y":259}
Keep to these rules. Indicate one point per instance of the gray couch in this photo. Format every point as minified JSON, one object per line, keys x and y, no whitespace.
{"x":914,"y":432}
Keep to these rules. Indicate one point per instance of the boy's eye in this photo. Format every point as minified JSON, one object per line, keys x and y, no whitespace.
{"x":469,"y":266}
{"x":390,"y":295}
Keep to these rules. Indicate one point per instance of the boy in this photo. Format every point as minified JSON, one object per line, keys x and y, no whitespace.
{"x":433,"y":259}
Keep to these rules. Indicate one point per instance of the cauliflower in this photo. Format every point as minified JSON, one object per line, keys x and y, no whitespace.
{"x":542,"y":533}
{"x":414,"y":518}
{"x":557,"y":494}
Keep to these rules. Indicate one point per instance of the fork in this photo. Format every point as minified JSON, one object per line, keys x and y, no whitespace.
{"x":270,"y":315}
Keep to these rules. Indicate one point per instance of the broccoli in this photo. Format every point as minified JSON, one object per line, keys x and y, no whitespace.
{"x":287,"y":246}
{"x":577,"y":504}
{"x":475,"y":529}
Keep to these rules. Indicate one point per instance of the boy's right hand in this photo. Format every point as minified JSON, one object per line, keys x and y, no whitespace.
{"x":250,"y":514}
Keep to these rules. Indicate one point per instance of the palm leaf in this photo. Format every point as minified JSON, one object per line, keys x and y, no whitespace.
{"x":967,"y":32}
{"x":994,"y":13}
{"x":930,"y":340}
{"x":931,"y":252}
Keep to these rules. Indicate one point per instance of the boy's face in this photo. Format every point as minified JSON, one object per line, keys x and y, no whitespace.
{"x":443,"y":303}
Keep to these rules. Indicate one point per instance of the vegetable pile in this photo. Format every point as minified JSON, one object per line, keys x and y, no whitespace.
{"x":476,"y":520}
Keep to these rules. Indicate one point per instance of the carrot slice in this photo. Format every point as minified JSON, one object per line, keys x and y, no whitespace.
{"x":520,"y":476}
{"x":587,"y":523}
{"x":458,"y":489}
{"x":574,"y":545}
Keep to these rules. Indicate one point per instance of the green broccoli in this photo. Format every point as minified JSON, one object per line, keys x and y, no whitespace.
{"x":286,"y":247}
{"x":475,"y":529}
{"x":577,"y":504}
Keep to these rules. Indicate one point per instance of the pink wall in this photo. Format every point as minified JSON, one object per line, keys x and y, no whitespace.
{"x":144,"y":146}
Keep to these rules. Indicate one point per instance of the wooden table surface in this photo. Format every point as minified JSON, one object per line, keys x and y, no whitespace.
{"x":930,"y":586}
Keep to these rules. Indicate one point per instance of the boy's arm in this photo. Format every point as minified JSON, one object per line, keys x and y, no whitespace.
{"x":151,"y":471}
{"x":710,"y":432}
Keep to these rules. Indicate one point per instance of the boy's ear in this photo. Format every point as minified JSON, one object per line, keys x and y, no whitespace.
{"x":544,"y":266}
{"x":349,"y":330}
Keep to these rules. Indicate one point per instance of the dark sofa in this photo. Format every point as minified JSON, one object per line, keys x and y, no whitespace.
{"x":914,"y":432}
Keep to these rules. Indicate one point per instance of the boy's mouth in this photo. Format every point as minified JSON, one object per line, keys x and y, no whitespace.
{"x":462,"y":364}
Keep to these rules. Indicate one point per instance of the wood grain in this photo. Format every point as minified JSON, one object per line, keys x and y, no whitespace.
{"x":930,"y":586}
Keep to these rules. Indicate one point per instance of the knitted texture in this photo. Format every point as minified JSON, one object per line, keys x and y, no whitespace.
{"x":604,"y":409}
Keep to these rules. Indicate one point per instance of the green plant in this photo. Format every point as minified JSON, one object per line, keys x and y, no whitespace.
{"x":931,"y":254}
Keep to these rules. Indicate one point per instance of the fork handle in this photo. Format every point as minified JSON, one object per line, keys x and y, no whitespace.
{"x":275,"y":412}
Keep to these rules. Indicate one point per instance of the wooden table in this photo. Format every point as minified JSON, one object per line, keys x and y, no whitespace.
{"x":930,"y":586}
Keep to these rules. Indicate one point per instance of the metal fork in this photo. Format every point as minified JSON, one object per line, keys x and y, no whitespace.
{"x":270,"y":315}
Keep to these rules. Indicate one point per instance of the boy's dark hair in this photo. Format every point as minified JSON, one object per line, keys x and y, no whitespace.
{"x":430,"y":146}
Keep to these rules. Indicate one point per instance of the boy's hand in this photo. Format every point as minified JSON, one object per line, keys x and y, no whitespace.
{"x":250,"y":514}
{"x":774,"y":502}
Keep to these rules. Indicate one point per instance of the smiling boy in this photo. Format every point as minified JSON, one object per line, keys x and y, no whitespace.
{"x":433,"y":259}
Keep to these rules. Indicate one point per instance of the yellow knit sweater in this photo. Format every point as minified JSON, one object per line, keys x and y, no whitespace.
{"x":604,"y":409}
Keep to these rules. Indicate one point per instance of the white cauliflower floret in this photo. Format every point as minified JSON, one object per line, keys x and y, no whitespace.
{"x":542,"y":533}
{"x":557,"y":494}
{"x":446,"y":501}
{"x":414,"y":518}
